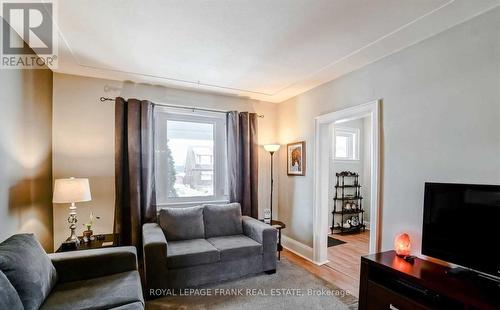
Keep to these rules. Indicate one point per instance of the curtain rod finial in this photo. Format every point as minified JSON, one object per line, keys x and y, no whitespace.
{"x":106,"y":99}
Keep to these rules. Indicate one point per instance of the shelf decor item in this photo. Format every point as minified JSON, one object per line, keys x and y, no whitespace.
{"x":70,"y":191}
{"x":347,"y":224}
{"x":88,"y":235}
{"x":347,"y":204}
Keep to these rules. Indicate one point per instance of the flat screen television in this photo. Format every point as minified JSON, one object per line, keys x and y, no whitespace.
{"x":462,"y":225}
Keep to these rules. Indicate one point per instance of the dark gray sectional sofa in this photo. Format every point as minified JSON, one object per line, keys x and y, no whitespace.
{"x":93,"y":279}
{"x":198,"y":245}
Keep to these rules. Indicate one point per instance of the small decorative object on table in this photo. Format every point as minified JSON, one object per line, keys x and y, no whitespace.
{"x":88,"y":235}
{"x":402,"y":246}
{"x":267,"y":216}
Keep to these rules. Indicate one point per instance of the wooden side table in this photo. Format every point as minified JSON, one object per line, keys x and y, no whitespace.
{"x":95,"y":244}
{"x":279,"y":226}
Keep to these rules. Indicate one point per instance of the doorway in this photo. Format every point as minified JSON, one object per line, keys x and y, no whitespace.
{"x":325,"y":165}
{"x":346,"y":189}
{"x":349,"y":196}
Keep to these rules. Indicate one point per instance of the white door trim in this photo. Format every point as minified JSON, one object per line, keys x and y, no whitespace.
{"x":320,"y":195}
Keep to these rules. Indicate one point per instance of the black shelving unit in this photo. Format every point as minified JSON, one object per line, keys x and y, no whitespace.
{"x":347,"y":191}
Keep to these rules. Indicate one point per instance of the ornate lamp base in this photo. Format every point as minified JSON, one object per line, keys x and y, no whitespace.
{"x":72,"y":220}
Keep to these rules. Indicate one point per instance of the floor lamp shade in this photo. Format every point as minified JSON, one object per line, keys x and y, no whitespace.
{"x":71,"y":190}
{"x":272,"y":147}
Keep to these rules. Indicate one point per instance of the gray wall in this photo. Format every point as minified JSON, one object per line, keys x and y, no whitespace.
{"x":84,"y":138}
{"x":25,"y":154}
{"x":440,"y":122}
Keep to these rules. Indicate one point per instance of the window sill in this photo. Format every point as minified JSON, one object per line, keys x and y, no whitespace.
{"x":190,"y":203}
{"x":345,"y":160}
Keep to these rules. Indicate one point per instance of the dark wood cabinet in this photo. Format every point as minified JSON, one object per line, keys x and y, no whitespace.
{"x":389,"y":282}
{"x":381,"y":297}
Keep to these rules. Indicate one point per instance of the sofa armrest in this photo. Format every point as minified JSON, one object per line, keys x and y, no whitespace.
{"x":262,"y":233}
{"x":88,"y":264}
{"x":155,"y":256}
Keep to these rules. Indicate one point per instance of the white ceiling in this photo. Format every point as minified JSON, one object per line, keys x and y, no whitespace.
{"x":269,"y":50}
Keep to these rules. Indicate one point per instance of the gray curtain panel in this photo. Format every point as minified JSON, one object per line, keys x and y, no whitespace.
{"x":243,"y":161}
{"x":135,"y":202}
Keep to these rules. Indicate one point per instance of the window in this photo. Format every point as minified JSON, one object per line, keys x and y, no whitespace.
{"x":190,"y":156}
{"x":207,"y":175}
{"x":345,"y":144}
{"x":205,"y":159}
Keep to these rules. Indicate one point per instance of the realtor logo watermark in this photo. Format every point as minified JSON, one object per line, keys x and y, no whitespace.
{"x":29,"y":40}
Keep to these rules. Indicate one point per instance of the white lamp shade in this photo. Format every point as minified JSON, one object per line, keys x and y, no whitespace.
{"x":272,"y":147}
{"x":71,"y":190}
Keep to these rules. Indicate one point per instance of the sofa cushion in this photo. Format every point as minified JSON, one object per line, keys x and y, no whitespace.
{"x":193,"y":252}
{"x":9,"y":299}
{"x":106,"y":292}
{"x":236,"y":247}
{"x":182,"y":223}
{"x":222,"y":220}
{"x":28,"y":268}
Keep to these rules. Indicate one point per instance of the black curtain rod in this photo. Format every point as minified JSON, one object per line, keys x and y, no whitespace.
{"x":104,"y":99}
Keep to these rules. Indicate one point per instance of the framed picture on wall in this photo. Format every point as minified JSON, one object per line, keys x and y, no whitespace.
{"x":296,"y":158}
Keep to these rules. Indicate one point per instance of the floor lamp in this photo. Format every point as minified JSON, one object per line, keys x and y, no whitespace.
{"x":271,"y":148}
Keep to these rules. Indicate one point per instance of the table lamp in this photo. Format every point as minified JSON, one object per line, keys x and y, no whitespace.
{"x":71,"y":190}
{"x":271,"y":148}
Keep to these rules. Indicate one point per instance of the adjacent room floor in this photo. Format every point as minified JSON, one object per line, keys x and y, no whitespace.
{"x":345,"y":258}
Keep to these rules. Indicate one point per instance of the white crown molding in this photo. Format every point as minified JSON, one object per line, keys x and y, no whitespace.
{"x":421,"y":28}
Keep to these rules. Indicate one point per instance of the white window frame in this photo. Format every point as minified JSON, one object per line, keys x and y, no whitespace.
{"x":218,"y":120}
{"x":353,"y":150}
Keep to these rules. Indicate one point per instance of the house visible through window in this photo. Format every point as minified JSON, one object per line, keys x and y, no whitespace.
{"x":345,"y":143}
{"x":190,"y":156}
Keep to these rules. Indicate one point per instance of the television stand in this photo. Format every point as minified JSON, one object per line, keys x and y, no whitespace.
{"x":461,"y":272}
{"x":389,"y":282}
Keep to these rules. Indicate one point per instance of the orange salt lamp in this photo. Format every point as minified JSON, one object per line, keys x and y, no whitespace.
{"x":402,"y":245}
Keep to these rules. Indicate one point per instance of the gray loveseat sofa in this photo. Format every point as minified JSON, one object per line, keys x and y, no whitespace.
{"x":192,"y":246}
{"x":91,"y":279}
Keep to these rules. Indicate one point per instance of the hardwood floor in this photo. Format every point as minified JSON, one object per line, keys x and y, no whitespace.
{"x":326,"y":273}
{"x":345,"y":258}
{"x":344,"y":266}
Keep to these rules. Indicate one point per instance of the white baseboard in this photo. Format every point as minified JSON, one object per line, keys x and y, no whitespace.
{"x":297,"y":248}
{"x":367,"y":225}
